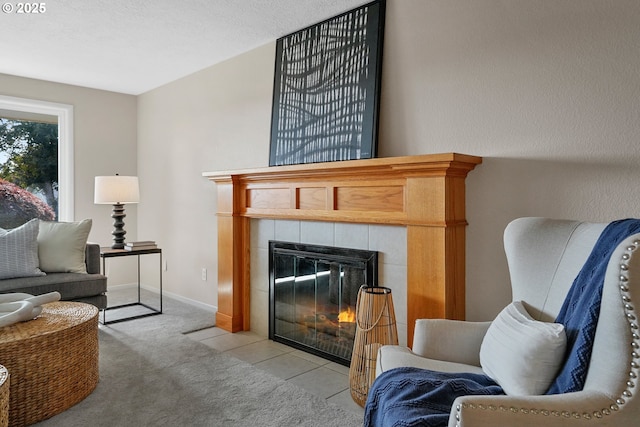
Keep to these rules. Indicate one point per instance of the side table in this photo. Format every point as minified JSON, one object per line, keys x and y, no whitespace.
{"x":114,"y":253}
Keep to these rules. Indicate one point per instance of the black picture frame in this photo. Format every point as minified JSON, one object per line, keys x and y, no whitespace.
{"x":326,"y":96}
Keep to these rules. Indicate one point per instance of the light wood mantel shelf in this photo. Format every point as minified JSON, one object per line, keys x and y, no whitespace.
{"x":425,"y":193}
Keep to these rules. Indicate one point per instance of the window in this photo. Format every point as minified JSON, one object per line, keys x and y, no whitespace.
{"x":33,"y":116}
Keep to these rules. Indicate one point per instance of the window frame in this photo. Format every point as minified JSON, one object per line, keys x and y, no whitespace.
{"x":64,"y":112}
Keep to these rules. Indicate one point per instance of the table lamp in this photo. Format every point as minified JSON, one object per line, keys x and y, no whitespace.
{"x":117,"y":190}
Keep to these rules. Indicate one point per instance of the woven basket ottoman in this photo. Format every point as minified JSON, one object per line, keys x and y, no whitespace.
{"x":52,"y":360}
{"x":4,"y":397}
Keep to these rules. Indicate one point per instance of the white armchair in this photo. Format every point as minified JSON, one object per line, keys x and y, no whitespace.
{"x":544,"y":257}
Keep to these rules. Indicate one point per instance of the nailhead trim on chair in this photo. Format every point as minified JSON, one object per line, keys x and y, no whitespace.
{"x":633,"y":371}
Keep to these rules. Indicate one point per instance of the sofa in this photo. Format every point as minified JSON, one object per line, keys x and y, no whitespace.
{"x":545,"y":257}
{"x":41,"y":257}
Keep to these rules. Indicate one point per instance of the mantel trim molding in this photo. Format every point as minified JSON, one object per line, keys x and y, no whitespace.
{"x":425,"y":193}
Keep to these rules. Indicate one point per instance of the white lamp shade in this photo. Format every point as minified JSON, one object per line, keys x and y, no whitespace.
{"x":110,"y":190}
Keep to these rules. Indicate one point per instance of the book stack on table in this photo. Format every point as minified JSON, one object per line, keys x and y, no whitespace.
{"x":140,"y":246}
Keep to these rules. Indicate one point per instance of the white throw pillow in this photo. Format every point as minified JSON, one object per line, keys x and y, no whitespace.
{"x":19,"y":251}
{"x":521,"y":354}
{"x":61,"y":246}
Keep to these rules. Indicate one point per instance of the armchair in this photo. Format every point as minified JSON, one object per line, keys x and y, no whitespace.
{"x":544,"y":257}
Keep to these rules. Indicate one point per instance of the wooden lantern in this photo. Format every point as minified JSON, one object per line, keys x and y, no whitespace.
{"x":375,"y":327}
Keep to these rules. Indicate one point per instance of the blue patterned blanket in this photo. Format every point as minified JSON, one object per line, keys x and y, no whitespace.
{"x":581,"y":308}
{"x":418,"y":397}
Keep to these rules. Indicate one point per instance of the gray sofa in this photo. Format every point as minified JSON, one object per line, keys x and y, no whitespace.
{"x":89,"y":288}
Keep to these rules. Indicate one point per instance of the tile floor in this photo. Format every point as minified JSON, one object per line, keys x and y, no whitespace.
{"x":321,"y":377}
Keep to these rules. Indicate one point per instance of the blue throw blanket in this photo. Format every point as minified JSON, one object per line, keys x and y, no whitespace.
{"x":581,"y":308}
{"x":419,"y":397}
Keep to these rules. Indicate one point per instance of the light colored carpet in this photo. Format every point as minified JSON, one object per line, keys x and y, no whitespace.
{"x":153,"y":375}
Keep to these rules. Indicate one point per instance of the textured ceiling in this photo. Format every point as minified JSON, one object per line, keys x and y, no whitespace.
{"x":135,"y":46}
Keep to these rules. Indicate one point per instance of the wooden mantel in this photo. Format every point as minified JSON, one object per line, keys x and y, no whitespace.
{"x":425,"y":193}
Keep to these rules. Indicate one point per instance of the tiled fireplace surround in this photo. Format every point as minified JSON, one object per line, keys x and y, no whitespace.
{"x":409,"y":209}
{"x":389,"y":241}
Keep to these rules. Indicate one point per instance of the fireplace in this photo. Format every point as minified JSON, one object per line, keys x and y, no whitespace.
{"x":424,"y":193}
{"x":312,"y":296}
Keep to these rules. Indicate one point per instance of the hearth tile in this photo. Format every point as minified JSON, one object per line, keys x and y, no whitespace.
{"x":310,"y":357}
{"x":322,"y":382}
{"x":317,"y":233}
{"x":282,"y":347}
{"x":287,"y":230}
{"x":402,"y":334}
{"x":391,"y":241}
{"x":355,"y":236}
{"x":345,"y":401}
{"x":256,"y":352}
{"x":286,"y":366}
{"x":262,"y":230}
{"x":260,"y":265}
{"x":260,"y":309}
{"x":341,"y":369}
{"x":229,"y":341}
{"x":206,"y":333}
{"x":394,"y":277}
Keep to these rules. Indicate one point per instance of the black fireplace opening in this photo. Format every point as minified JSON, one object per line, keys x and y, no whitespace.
{"x":313,"y":291}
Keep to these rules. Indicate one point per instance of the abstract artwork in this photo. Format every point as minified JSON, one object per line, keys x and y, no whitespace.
{"x":327,"y":88}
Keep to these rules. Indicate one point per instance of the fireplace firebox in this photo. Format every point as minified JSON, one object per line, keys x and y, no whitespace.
{"x":312,"y":296}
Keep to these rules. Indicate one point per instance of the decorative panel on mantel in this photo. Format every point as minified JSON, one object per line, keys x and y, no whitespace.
{"x":425,"y":193}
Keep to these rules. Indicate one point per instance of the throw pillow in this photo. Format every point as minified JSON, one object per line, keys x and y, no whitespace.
{"x":19,"y":251}
{"x":521,"y":354}
{"x":61,"y":246}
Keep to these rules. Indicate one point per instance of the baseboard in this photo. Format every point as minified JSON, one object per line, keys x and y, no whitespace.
{"x":192,"y":302}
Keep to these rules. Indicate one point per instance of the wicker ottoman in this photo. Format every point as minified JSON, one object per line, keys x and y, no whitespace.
{"x":53,"y":361}
{"x":4,"y":397}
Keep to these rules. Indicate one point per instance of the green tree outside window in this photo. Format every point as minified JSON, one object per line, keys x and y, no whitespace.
{"x":28,"y":172}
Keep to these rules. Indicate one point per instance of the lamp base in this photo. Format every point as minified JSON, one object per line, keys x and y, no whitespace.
{"x":118,"y":226}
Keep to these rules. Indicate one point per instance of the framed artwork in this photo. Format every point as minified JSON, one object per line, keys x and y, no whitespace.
{"x":326,"y":94}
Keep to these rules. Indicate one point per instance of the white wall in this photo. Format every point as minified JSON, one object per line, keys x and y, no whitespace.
{"x":217,"y":119}
{"x":546,"y":91}
{"x":104,"y":144}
